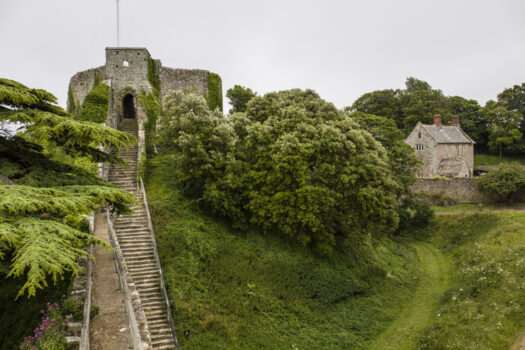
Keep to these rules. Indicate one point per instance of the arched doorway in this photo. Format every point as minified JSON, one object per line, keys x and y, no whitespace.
{"x":128,"y":106}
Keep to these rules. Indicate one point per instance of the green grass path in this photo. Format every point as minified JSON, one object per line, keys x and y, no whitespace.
{"x":404,"y":331}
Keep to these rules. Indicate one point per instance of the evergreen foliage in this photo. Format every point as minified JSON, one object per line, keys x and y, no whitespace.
{"x":95,"y":105}
{"x":42,"y":229}
{"x":291,"y":163}
{"x":214,"y":97}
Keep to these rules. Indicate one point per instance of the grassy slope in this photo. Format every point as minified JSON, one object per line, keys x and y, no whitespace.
{"x":482,"y":309}
{"x":403,"y":333}
{"x":242,"y":290}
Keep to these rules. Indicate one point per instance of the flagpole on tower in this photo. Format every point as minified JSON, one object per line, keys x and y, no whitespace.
{"x":118,"y":25}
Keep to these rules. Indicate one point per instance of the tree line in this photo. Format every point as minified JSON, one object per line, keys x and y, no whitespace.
{"x":498,"y":126}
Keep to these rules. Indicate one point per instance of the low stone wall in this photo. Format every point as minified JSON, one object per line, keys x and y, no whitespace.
{"x":455,"y":191}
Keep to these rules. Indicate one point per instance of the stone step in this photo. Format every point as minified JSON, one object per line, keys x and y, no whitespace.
{"x":148,"y":268}
{"x":152,"y":303}
{"x":150,"y":297}
{"x":164,"y":347}
{"x":132,"y":232}
{"x":142,"y":257}
{"x":146,"y":243}
{"x":158,"y":323}
{"x":149,"y":290}
{"x":158,"y":331}
{"x":146,"y":276}
{"x":137,"y":250}
{"x":163,"y":341}
{"x":155,"y":313}
{"x":128,"y":241}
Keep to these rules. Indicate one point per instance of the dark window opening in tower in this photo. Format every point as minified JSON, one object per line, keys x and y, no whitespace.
{"x":128,"y":106}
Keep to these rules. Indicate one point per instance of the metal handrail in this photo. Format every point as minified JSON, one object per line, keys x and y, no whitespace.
{"x":157,"y":260}
{"x":134,"y":328}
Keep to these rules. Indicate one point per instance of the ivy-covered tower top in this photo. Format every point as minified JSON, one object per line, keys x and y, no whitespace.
{"x":129,"y":72}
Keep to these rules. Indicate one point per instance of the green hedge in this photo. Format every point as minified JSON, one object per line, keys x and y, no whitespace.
{"x":214,"y":97}
{"x":95,"y":105}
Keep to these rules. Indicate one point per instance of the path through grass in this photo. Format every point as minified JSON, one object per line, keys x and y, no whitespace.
{"x":404,"y":332}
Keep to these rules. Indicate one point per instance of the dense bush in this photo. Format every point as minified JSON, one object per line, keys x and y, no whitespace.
{"x":291,"y":163}
{"x":504,"y":182}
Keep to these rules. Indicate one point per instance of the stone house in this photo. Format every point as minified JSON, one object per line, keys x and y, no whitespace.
{"x":445,"y":150}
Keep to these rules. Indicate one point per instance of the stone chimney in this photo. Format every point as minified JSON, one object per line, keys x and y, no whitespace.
{"x":455,"y":120}
{"x":437,"y":120}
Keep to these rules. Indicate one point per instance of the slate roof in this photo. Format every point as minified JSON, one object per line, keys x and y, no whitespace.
{"x":447,"y":134}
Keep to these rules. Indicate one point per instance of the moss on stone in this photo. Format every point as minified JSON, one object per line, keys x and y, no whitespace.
{"x":95,"y":105}
{"x":214,"y":97}
{"x":71,"y":107}
{"x":153,"y":76}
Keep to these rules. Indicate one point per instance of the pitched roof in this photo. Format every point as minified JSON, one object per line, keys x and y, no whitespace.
{"x":447,"y":134}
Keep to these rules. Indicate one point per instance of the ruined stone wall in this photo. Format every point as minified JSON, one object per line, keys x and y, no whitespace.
{"x":82,"y":83}
{"x":455,"y":191}
{"x":183,"y":80}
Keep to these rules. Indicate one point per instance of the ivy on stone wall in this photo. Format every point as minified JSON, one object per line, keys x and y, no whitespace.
{"x":71,"y":107}
{"x":95,"y":105}
{"x":153,"y":76}
{"x":214,"y":97}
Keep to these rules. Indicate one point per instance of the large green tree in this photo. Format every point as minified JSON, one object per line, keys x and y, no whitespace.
{"x":401,"y":158}
{"x":239,"y":97}
{"x":292,"y":163}
{"x":472,"y":120}
{"x":418,"y":102}
{"x":43,"y":202}
{"x":502,"y":125}
{"x":384,"y":103}
{"x":513,"y":99}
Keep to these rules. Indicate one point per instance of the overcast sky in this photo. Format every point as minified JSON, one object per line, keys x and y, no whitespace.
{"x":340,"y":48}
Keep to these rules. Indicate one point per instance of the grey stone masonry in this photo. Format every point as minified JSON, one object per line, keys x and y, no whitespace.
{"x":444,"y":150}
{"x":126,"y":74}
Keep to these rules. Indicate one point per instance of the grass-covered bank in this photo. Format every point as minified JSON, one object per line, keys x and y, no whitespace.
{"x":243,"y":290}
{"x":483,"y":307}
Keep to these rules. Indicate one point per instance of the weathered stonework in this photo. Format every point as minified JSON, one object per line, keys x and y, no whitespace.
{"x":182,"y":80}
{"x":455,"y":191}
{"x":82,"y":83}
{"x":445,"y":150}
{"x":126,"y":74}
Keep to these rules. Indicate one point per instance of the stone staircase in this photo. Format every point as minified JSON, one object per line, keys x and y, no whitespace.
{"x":135,"y":240}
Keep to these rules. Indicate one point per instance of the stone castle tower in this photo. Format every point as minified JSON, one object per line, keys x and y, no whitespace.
{"x":128,"y":72}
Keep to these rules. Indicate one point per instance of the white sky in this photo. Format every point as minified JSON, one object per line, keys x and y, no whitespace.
{"x":341,"y":49}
